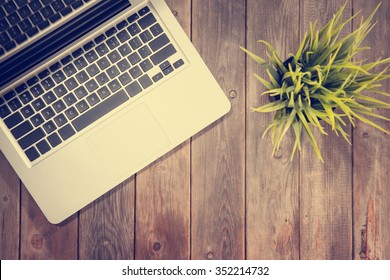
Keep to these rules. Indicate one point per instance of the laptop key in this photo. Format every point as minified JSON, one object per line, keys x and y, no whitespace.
{"x":59,"y":106}
{"x":9,"y":95}
{"x":93,"y":99}
{"x":9,"y":45}
{"x":24,"y":11}
{"x":54,"y":140}
{"x":123,"y":36}
{"x":13,"y":120}
{"x":57,"y":5}
{"x":77,"y":4}
{"x":102,"y":49}
{"x":100,"y":110}
{"x":49,"y":97}
{"x":48,"y":113}
{"x":103,"y":63}
{"x":134,"y":29}
{"x":66,"y":132}
{"x":163,"y":54}
{"x":31,"y":138}
{"x":80,"y":63}
{"x":47,"y":11}
{"x":145,"y":81}
{"x":27,"y":111}
{"x":114,"y":56}
{"x":93,"y":70}
{"x":124,"y":49}
{"x":70,"y":99}
{"x":111,"y":32}
{"x":25,"y":25}
{"x":71,"y":84}
{"x":25,"y":97}
{"x":44,"y":74}
{"x":48,"y":83}
{"x":37,"y":120}
{"x":144,"y":11}
{"x":133,"y":18}
{"x":4,"y":111}
{"x":114,"y":85}
{"x":91,"y":56}
{"x":156,"y":29}
{"x":32,"y":81}
{"x":124,"y":79}
{"x":89,"y":46}
{"x":54,"y":18}
{"x":82,"y":77}
{"x":60,"y":90}
{"x":43,"y":147}
{"x":146,"y":36}
{"x":135,"y":72}
{"x":65,"y":11}
{"x":102,"y":78}
{"x":35,"y":5}
{"x":22,"y":129}
{"x":91,"y":85}
{"x":38,"y":104}
{"x":49,"y":127}
{"x":135,"y":43}
{"x":113,"y":71}
{"x":10,"y":7}
{"x":14,"y":31}
{"x":69,"y":70}
{"x":32,"y":154}
{"x":178,"y":63}
{"x":59,"y":76}
{"x":159,"y":42}
{"x":44,"y":24}
{"x":147,"y":21}
{"x":20,"y":39}
{"x":31,"y":32}
{"x":60,"y":120}
{"x":66,"y":59}
{"x":82,"y":106}
{"x":103,"y":92}
{"x":80,"y":92}
{"x":146,"y":65}
{"x":71,"y":113}
{"x":14,"y":104}
{"x":157,"y":77}
{"x":134,"y":58}
{"x":13,"y":19}
{"x":36,"y":18}
{"x":133,"y":89}
{"x":55,"y":66}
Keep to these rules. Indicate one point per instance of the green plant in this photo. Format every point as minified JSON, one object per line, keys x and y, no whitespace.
{"x":322,"y":84}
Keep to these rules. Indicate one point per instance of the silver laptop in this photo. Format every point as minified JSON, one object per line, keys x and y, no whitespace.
{"x":93,"y":91}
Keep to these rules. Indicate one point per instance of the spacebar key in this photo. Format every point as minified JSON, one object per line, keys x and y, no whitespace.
{"x":100,"y":110}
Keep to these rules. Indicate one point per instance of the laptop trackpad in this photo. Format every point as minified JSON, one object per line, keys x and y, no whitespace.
{"x":129,"y":141}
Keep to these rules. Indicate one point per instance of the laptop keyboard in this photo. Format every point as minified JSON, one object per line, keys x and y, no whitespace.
{"x":80,"y":88}
{"x":23,"y":19}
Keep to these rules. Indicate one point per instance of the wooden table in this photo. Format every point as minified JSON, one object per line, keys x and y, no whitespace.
{"x":220,"y":195}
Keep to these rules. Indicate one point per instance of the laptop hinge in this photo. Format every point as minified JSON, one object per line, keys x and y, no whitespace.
{"x":59,"y":39}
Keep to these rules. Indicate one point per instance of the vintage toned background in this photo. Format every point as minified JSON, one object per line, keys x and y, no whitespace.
{"x":220,"y":195}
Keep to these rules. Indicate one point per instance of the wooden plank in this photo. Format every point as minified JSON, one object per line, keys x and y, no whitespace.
{"x":9,"y":211}
{"x":272,"y":182}
{"x":326,"y":189}
{"x":106,"y":227}
{"x":372,"y":155}
{"x":163,"y":191}
{"x":218,"y":153}
{"x":42,"y":240}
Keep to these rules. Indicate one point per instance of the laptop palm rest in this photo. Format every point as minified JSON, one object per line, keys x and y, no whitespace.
{"x":137,"y":138}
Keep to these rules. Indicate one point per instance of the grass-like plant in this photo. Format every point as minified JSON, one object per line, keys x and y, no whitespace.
{"x":322,"y":83}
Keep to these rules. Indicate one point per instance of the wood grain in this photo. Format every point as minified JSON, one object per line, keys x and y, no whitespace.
{"x":218,"y":153}
{"x":42,"y":240}
{"x":272,"y":221}
{"x":9,"y":211}
{"x":163,"y":191}
{"x":106,"y":229}
{"x":372,"y":154}
{"x":326,"y":189}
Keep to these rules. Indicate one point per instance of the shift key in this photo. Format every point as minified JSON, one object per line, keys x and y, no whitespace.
{"x":31,"y":138}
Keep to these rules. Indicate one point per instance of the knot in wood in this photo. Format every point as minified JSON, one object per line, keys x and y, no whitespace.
{"x":366,"y":135}
{"x":210,"y":255}
{"x":5,"y":198}
{"x":175,"y":13}
{"x":37,"y":241}
{"x":233,"y":94}
{"x":156,"y":246}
